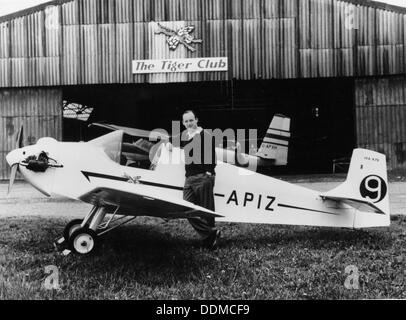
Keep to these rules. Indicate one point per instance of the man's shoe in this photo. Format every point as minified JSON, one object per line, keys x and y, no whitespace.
{"x":212,"y":241}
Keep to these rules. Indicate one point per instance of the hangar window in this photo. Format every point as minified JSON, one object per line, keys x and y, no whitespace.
{"x":76,"y":111}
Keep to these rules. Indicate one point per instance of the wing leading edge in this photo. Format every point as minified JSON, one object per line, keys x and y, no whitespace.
{"x":152,"y":135}
{"x":140,"y":203}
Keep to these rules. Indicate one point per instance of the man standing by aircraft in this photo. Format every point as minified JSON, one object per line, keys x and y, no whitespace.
{"x":200,"y":162}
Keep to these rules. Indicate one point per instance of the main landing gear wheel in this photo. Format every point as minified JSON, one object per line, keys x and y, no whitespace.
{"x":71,"y":227}
{"x":83,"y":241}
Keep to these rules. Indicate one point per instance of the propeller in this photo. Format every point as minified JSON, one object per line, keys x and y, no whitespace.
{"x":13,"y":174}
{"x":20,"y":138}
{"x":14,"y":167}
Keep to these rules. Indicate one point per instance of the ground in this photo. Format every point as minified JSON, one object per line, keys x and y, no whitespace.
{"x":153,"y":259}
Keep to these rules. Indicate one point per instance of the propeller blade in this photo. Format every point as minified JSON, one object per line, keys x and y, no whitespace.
{"x":13,"y":174}
{"x":20,"y":138}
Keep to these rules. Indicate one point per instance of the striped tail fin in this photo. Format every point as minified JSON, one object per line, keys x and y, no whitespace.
{"x":276,"y":141}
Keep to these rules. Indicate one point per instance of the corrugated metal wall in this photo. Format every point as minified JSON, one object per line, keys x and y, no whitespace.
{"x":381,"y":117}
{"x":95,"y":41}
{"x":39,"y":110}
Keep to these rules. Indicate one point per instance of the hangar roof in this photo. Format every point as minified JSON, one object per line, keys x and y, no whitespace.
{"x":95,"y":41}
{"x":42,"y":6}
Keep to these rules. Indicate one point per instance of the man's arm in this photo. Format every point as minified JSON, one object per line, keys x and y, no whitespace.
{"x":174,"y":141}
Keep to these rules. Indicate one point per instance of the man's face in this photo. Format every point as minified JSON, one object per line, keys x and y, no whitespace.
{"x":190,"y":121}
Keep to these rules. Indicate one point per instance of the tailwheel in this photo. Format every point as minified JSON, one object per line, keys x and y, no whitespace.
{"x":71,"y":227}
{"x":83,"y":241}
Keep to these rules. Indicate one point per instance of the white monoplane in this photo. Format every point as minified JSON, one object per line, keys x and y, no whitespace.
{"x":93,"y":172}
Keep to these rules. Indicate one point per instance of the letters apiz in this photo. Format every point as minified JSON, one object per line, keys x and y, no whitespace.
{"x":245,"y":199}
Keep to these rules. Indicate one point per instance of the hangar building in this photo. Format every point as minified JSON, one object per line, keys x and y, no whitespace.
{"x":336,"y":67}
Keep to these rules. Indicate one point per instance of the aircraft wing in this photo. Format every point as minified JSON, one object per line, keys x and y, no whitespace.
{"x":153,"y":135}
{"x":133,"y":200}
{"x":361,"y":205}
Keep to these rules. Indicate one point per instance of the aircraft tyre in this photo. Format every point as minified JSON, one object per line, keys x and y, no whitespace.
{"x":72,"y":226}
{"x":83,"y":241}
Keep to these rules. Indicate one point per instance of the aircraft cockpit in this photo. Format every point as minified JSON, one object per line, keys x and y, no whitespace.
{"x":129,"y":149}
{"x":138,"y":152}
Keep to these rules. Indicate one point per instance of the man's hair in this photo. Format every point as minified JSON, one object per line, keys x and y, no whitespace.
{"x":189,"y":111}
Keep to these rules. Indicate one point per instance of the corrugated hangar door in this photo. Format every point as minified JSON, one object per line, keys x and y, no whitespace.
{"x":38,"y":110}
{"x":381,"y":117}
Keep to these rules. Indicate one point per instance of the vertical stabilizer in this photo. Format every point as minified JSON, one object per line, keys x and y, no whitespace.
{"x":366,"y":186}
{"x":276,"y":141}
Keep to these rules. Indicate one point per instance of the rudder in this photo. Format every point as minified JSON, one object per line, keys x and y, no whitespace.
{"x":367,"y":181}
{"x":276,"y":141}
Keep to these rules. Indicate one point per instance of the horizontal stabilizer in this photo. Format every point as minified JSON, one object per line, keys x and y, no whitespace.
{"x":361,"y":205}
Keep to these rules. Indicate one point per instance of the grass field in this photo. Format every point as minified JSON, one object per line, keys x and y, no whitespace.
{"x":150,"y":259}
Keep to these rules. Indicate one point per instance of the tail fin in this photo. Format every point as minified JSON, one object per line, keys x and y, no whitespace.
{"x":366,"y":188}
{"x":276,"y":141}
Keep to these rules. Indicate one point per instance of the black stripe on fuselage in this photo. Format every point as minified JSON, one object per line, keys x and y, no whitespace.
{"x":301,"y":208}
{"x":276,"y":136}
{"x":103,"y":176}
{"x":147,"y":183}
{"x":279,"y":129}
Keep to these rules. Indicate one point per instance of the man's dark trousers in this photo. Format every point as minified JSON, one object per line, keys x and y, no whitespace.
{"x":198,"y":189}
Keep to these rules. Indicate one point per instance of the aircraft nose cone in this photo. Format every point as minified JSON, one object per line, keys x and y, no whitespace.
{"x":13,"y":157}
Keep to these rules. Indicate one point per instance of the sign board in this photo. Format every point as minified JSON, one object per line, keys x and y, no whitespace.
{"x":180,"y":65}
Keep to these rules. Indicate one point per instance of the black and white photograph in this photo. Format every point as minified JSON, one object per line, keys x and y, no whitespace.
{"x":214,"y":152}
